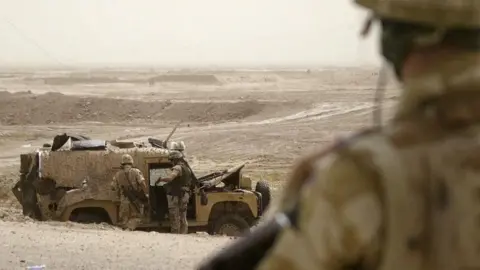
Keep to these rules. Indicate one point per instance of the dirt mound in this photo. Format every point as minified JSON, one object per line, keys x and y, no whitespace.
{"x":74,"y":79}
{"x":79,"y":80}
{"x":29,"y":109}
{"x":185,"y":78}
{"x":86,"y":80}
{"x":58,"y":108}
{"x":212,"y":112}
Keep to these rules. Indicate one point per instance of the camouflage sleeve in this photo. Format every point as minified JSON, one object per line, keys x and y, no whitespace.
{"x":140,"y":178}
{"x":177,"y":169}
{"x":339,"y":220}
{"x":141,"y":181}
{"x":174,"y":172}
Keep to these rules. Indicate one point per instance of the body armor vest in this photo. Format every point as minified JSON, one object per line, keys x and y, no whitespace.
{"x":180,"y":183}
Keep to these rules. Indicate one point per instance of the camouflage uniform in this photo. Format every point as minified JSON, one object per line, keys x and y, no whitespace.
{"x":406,"y":196}
{"x":178,"y":194}
{"x":177,"y":206}
{"x":129,"y":216}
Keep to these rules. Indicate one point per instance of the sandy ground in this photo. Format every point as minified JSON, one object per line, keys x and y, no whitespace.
{"x":267,"y":119}
{"x":61,"y":246}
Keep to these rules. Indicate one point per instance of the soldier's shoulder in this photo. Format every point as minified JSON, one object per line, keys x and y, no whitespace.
{"x":136,"y":170}
{"x":177,"y":167}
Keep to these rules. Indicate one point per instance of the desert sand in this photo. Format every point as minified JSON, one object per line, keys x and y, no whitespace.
{"x":265,"y":118}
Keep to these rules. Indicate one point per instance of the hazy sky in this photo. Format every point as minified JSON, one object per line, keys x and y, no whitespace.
{"x":184,"y":32}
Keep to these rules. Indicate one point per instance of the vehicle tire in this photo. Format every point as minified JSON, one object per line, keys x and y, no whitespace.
{"x":263,"y":188}
{"x":229,"y":225}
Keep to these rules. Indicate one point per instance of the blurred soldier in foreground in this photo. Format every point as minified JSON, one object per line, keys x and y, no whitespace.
{"x":133,"y":191}
{"x":177,"y":188}
{"x":406,"y":196}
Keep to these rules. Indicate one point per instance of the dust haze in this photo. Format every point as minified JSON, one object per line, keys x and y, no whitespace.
{"x":261,"y":82}
{"x":249,"y":33}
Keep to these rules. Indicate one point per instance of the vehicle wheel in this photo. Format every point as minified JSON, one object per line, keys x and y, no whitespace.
{"x":230,"y":225}
{"x":263,"y":188}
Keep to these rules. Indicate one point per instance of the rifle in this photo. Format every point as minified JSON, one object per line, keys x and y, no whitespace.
{"x":246,"y":252}
{"x":130,"y":194}
{"x":134,"y":195}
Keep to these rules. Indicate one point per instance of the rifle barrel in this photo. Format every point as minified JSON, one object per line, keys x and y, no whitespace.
{"x":170,"y":135}
{"x":246,"y":252}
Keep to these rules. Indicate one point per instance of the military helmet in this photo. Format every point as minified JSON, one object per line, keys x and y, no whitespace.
{"x":445,"y":14}
{"x":410,"y":24}
{"x":127,"y":159}
{"x":173,"y":155}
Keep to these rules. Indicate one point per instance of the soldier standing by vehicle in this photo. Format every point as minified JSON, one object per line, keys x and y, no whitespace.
{"x":178,"y":192}
{"x":133,"y":191}
{"x":404,"y":196}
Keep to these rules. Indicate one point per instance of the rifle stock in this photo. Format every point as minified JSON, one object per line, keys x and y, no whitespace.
{"x":128,"y":192}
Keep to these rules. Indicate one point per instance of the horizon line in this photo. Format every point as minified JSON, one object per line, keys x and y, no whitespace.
{"x":180,"y":67}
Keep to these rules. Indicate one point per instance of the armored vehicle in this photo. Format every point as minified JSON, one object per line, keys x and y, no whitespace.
{"x":69,"y":180}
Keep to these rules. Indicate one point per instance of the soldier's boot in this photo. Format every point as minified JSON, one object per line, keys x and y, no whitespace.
{"x":122,"y":223}
{"x":183,"y":228}
{"x":132,"y":224}
{"x":183,"y":221}
{"x":173,"y":215}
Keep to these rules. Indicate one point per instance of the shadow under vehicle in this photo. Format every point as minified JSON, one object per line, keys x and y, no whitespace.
{"x":69,"y":180}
